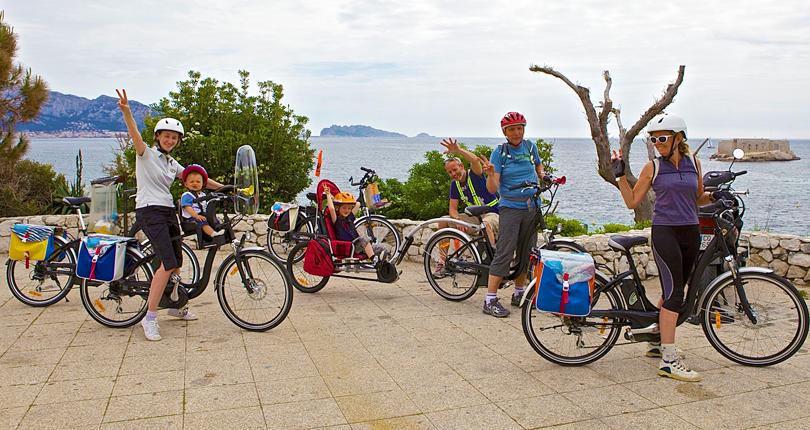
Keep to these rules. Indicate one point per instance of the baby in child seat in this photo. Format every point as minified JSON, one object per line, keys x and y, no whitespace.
{"x":194,"y":178}
{"x":343,"y":218}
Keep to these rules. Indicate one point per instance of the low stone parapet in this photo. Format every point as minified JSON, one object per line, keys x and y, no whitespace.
{"x":787,"y":255}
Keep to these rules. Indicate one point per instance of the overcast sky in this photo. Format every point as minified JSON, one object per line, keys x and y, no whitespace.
{"x":449,"y":68}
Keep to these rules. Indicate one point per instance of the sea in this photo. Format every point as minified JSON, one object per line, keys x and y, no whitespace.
{"x":778,"y":199}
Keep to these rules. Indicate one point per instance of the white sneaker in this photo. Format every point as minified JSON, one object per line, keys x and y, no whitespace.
{"x":677,"y":370}
{"x":151,"y":330}
{"x":184,"y":314}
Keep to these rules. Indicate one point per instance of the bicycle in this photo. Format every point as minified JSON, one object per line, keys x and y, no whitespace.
{"x":466,"y":259}
{"x":749,"y":315}
{"x":375,"y":228}
{"x":49,"y":281}
{"x":248,"y":271}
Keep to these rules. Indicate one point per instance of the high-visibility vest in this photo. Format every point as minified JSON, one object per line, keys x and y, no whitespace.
{"x":476,"y":200}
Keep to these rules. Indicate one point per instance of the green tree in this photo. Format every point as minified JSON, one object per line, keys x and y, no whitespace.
{"x":25,"y":186}
{"x":219,"y":117}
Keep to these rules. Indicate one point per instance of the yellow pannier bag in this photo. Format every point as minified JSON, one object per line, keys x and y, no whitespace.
{"x":30,"y":242}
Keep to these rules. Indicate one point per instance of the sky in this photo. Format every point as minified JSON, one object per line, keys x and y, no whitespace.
{"x":448,"y":68}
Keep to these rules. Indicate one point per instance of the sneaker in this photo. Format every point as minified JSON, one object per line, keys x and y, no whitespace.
{"x":440,"y":271}
{"x":151,"y":330}
{"x":495,"y":309}
{"x":678,"y":371}
{"x":655,"y":351}
{"x":516,"y":299}
{"x":183,"y":314}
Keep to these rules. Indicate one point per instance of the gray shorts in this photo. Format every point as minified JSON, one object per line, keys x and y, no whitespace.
{"x":514,"y":225}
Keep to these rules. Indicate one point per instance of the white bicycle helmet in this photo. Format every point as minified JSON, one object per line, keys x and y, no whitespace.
{"x":667,"y":122}
{"x":170,"y":124}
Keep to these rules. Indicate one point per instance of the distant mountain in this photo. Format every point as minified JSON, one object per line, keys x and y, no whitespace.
{"x":423,"y":134}
{"x":357,"y":131}
{"x":66,"y":114}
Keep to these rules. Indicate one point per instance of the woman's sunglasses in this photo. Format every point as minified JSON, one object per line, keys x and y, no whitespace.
{"x":659,"y":139}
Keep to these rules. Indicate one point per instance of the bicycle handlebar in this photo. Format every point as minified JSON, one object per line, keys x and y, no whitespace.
{"x":106,"y":180}
{"x":367,"y":170}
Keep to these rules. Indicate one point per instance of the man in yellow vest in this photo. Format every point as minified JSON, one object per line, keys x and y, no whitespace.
{"x":469,"y":188}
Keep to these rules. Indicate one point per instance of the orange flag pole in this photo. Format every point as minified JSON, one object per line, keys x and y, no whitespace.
{"x":318,"y":165}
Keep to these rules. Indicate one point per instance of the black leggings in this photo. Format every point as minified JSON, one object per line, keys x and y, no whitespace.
{"x":675,"y":249}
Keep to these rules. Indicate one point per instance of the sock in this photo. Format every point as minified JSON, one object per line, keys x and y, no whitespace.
{"x":490,"y":297}
{"x":654,"y":344}
{"x":668,"y":352}
{"x":151,"y":315}
{"x":519,"y":291}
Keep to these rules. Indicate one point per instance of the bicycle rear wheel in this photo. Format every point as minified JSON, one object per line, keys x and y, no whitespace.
{"x":452,"y":265}
{"x":262,"y":299}
{"x":573,"y":341}
{"x":189,"y":272}
{"x":120,"y":303}
{"x":280,"y":244}
{"x":45,"y":282}
{"x":781,"y":321}
{"x":382,"y":235}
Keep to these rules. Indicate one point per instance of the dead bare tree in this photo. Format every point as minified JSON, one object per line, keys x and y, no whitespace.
{"x":598,"y":122}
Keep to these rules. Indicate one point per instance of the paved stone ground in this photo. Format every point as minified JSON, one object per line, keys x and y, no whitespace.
{"x":363,"y":355}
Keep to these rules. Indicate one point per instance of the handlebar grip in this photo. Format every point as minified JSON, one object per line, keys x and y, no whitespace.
{"x":740,"y":173}
{"x":106,"y":180}
{"x":526,"y":184}
{"x":366,"y":170}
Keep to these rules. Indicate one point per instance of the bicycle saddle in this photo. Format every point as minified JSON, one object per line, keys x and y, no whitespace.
{"x":624,"y":243}
{"x":76,"y":201}
{"x":477,"y":210}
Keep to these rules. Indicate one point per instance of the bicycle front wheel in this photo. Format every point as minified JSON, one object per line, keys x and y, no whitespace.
{"x":120,"y":303}
{"x":452,"y":265}
{"x":382,"y":235}
{"x":572,"y":341}
{"x":43,"y":283}
{"x":775,"y":330}
{"x":255,"y":293}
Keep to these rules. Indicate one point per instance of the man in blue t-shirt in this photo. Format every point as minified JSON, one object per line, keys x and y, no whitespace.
{"x":470,"y":188}
{"x":512,"y":163}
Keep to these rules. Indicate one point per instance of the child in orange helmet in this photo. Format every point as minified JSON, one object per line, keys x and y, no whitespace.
{"x":343,"y":219}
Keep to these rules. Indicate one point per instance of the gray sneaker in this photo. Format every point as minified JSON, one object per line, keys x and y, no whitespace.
{"x":516,"y":299}
{"x":495,"y":309}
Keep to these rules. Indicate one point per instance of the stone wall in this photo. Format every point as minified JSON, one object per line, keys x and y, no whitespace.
{"x":787,"y":255}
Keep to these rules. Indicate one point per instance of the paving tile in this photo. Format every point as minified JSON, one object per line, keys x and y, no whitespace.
{"x":799,"y":424}
{"x":126,"y":385}
{"x":10,"y":418}
{"x":593,"y":424}
{"x":292,"y":390}
{"x":62,"y":415}
{"x":24,"y":374}
{"x":716,"y":383}
{"x":167,"y":347}
{"x":360,"y":381}
{"x":96,"y":368}
{"x":220,"y":397}
{"x":376,"y":406}
{"x":214,"y":343}
{"x":653,"y":418}
{"x":243,"y":418}
{"x":78,"y":389}
{"x":95,"y":334}
{"x":546,"y":410}
{"x":627,"y":369}
{"x":442,"y":396}
{"x":511,"y":386}
{"x":476,"y":417}
{"x":413,"y":422}
{"x":143,"y":364}
{"x":311,"y":414}
{"x":111,"y":352}
{"x":19,"y":395}
{"x":565,"y":378}
{"x":126,"y":408}
{"x":15,"y":358}
{"x":171,"y":422}
{"x":610,"y":400}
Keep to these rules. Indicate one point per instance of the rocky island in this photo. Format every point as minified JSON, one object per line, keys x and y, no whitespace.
{"x":357,"y":131}
{"x":755,"y":150}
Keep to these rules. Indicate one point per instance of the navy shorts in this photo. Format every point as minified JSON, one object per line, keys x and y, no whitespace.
{"x":160,"y":225}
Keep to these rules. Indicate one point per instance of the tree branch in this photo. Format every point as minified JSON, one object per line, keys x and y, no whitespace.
{"x":607,"y":104}
{"x":584,"y":97}
{"x":658,"y":106}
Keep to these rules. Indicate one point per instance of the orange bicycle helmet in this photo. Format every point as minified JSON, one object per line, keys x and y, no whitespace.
{"x":344,"y":198}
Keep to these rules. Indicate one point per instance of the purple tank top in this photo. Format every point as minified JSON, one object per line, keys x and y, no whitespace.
{"x":675,"y":193}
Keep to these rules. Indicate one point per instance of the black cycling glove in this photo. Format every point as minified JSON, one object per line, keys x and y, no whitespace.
{"x":618,"y":167}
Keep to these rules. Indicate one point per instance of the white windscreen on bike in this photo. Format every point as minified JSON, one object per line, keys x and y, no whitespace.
{"x":246,"y":181}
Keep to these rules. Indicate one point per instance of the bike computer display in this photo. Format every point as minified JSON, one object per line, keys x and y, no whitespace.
{"x":246,"y":181}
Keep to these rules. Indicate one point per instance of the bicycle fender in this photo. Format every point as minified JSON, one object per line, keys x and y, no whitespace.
{"x":726,"y":275}
{"x":463,"y":234}
{"x":527,"y":292}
